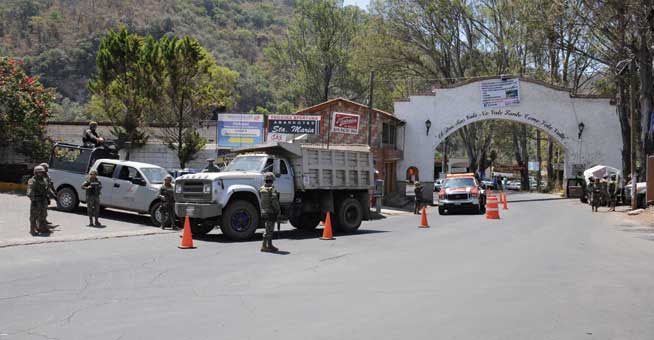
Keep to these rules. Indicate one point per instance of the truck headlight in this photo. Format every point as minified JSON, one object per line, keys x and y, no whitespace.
{"x":178,"y":189}
{"x":207,"y":188}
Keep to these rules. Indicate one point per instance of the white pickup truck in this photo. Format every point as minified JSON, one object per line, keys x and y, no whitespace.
{"x":311,"y":180}
{"x":126,"y":185}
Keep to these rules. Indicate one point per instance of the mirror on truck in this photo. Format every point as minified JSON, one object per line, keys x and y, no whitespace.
{"x":277,"y":167}
{"x":138,"y":181}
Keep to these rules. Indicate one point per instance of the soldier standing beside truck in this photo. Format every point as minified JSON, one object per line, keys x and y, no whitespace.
{"x":93,"y":187}
{"x":37,"y":191}
{"x":52,"y":193}
{"x":167,"y":196}
{"x":270,"y":211}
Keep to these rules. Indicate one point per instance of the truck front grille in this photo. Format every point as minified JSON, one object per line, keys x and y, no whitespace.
{"x":192,"y":191}
{"x":457,"y":196}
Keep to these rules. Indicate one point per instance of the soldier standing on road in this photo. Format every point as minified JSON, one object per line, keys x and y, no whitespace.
{"x":51,"y":190}
{"x":597,"y":194}
{"x":417,"y":190}
{"x":167,"y":196}
{"x":37,"y":191}
{"x":93,"y":187}
{"x":612,"y":192}
{"x":589,"y":191}
{"x":91,"y":138}
{"x":270,"y":211}
{"x":211,"y":167}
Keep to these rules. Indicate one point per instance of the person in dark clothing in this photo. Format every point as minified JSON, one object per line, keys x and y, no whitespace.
{"x":167,"y":196}
{"x":91,"y":138}
{"x":417,"y":190}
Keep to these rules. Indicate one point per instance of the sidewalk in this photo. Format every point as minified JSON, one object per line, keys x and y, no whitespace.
{"x":14,"y":224}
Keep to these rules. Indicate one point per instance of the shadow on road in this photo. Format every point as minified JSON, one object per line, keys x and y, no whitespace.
{"x":541,"y":200}
{"x":283,"y":235}
{"x":115,"y":215}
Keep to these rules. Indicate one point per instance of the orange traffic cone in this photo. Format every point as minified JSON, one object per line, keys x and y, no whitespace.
{"x":423,"y":221}
{"x":505,"y":205}
{"x":327,"y":230}
{"x":187,"y":238}
{"x":492,"y":208}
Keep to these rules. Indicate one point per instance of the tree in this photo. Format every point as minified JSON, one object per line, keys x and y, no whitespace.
{"x":192,"y":86}
{"x":316,"y":51}
{"x":24,"y":107}
{"x":126,"y":84}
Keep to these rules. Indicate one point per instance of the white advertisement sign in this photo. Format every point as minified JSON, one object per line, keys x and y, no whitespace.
{"x":345,"y":123}
{"x":500,"y":93}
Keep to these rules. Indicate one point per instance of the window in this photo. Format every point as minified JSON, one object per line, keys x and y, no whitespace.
{"x":283,"y":169}
{"x":128,"y":173}
{"x":269,"y":165}
{"x":106,"y":169}
{"x":388,"y":134}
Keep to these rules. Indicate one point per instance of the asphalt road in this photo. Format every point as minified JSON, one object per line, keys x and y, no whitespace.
{"x":549,"y":269}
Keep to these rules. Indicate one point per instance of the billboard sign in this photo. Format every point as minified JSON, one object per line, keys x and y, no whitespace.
{"x":345,"y":123}
{"x":239,"y":130}
{"x":294,"y":124}
{"x":500,"y":93}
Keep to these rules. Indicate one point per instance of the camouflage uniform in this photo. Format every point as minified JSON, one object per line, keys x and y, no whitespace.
{"x":93,"y":188}
{"x":211,"y":167}
{"x":270,"y":211}
{"x":52,"y":193}
{"x":91,"y":138}
{"x":418,"y":198}
{"x":37,"y":191}
{"x":167,"y":196}
{"x":597,"y":195}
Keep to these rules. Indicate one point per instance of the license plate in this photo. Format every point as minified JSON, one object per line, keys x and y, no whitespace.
{"x":190,"y":211}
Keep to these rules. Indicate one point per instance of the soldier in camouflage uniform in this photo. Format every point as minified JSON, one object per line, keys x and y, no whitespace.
{"x":612,"y":191}
{"x":211,"y":167}
{"x":270,"y":211}
{"x":37,"y":191}
{"x":93,"y":187}
{"x":167,"y":196}
{"x":597,"y":194}
{"x":52,"y":194}
{"x":417,"y":204}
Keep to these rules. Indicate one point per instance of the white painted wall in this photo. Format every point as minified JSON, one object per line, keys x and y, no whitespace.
{"x":453,"y":108}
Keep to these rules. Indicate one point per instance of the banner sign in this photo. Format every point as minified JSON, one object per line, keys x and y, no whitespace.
{"x":294,"y":124}
{"x":239,"y":130}
{"x":500,"y":93}
{"x":345,"y":123}
{"x":278,"y":137}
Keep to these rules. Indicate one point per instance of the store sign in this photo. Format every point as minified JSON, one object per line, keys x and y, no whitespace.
{"x":239,"y":130}
{"x":500,"y":93}
{"x":345,"y":123}
{"x":294,"y":124}
{"x":278,"y":137}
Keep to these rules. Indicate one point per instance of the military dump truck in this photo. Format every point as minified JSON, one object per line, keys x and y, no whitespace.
{"x":311,"y":180}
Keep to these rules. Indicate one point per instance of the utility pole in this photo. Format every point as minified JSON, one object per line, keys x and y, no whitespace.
{"x":372,"y":82}
{"x":632,"y":109}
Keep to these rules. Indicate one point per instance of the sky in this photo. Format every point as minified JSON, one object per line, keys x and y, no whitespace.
{"x":361,"y":3}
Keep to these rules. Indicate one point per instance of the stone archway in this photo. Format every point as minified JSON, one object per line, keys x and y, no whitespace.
{"x":586,"y":126}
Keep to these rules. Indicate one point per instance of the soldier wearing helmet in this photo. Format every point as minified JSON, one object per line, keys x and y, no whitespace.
{"x":211,"y":167}
{"x":93,"y":187}
{"x":91,"y":138}
{"x":167,"y":196}
{"x":37,"y":191}
{"x":612,"y":191}
{"x":417,"y":190}
{"x":270,"y":211}
{"x":52,"y":193}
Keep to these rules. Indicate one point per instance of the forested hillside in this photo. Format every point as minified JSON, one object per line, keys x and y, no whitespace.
{"x":58,"y":39}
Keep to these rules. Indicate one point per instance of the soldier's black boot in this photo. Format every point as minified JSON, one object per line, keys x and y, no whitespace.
{"x":90,"y":221}
{"x":264,"y":245}
{"x":271,"y":248}
{"x":97,"y":223}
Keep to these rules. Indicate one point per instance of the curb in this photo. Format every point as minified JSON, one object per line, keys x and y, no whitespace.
{"x":43,"y":240}
{"x":5,"y":186}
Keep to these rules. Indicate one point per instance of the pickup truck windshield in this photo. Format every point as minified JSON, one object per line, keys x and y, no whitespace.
{"x":154,"y":175}
{"x":459,"y":182}
{"x":247,"y":163}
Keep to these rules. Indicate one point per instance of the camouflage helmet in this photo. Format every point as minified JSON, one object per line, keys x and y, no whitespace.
{"x":168,"y":177}
{"x":269,"y":177}
{"x":93,"y":123}
{"x":416,"y":183}
{"x":38,"y":168}
{"x":45,"y":166}
{"x":93,"y":172}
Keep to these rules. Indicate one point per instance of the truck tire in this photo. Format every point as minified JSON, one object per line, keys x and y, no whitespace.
{"x":67,"y":199}
{"x":199,"y":227}
{"x":304,"y":221}
{"x":349,"y":215}
{"x":441,"y":210}
{"x":156,"y":215}
{"x":240,"y":220}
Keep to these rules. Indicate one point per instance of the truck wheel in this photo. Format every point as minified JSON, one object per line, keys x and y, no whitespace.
{"x":200,"y":227}
{"x":304,"y":221}
{"x":67,"y":199}
{"x":156,"y":214}
{"x":240,"y":220}
{"x":349,"y":215}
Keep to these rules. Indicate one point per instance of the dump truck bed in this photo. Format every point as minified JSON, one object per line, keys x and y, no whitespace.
{"x":318,"y":167}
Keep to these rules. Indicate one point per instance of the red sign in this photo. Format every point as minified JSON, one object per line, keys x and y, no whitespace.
{"x":345,"y":123}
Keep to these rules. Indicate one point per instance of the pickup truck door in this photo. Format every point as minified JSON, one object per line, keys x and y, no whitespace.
{"x":127,"y":192}
{"x":284,"y":183}
{"x":105,"y":175}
